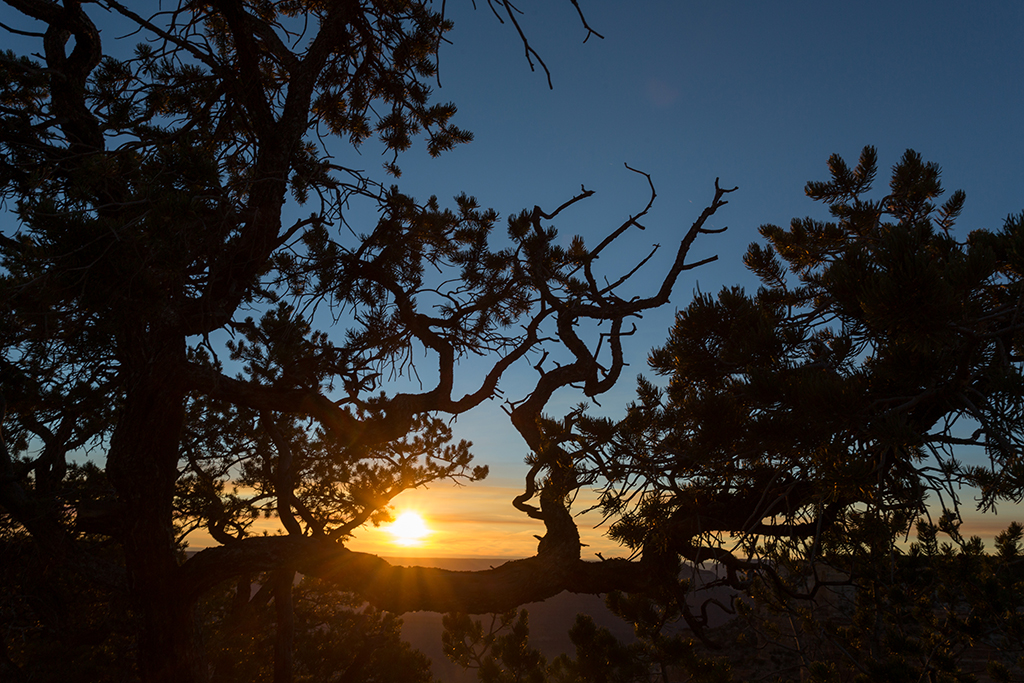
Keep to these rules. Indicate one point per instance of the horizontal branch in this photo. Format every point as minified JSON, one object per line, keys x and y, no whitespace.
{"x":407,"y":589}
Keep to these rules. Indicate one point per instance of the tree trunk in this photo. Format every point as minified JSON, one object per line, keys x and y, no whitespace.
{"x":142,"y":466}
{"x":284,"y":637}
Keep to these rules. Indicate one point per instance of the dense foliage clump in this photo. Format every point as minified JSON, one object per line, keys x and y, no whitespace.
{"x":808,"y":427}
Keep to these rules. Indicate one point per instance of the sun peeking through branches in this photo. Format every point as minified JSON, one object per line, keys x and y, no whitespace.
{"x":409,"y":529}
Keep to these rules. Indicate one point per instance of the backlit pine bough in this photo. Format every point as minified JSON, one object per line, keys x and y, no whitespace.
{"x":150,"y":190}
{"x":806,"y":427}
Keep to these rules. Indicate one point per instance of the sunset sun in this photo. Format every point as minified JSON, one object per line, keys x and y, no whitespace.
{"x":408,"y":529}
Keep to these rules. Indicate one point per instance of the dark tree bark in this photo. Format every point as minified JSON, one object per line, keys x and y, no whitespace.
{"x":284,"y":634}
{"x":143,"y":466}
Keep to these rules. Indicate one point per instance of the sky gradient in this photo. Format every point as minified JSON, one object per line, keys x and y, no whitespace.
{"x":756,"y":94}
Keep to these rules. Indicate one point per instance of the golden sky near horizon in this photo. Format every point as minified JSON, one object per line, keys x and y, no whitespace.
{"x":474,"y":520}
{"x":477,"y":520}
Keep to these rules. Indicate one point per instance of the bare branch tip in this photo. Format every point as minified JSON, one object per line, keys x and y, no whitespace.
{"x":723,"y":190}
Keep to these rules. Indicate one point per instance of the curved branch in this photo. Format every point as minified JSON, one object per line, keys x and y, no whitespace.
{"x":406,"y":589}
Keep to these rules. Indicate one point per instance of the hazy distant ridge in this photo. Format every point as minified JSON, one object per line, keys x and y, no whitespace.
{"x":550,"y":620}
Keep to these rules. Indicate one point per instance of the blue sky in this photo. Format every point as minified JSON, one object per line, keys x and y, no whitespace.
{"x":757,"y":93}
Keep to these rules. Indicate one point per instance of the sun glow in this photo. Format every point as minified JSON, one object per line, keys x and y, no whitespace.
{"x":408,"y":529}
